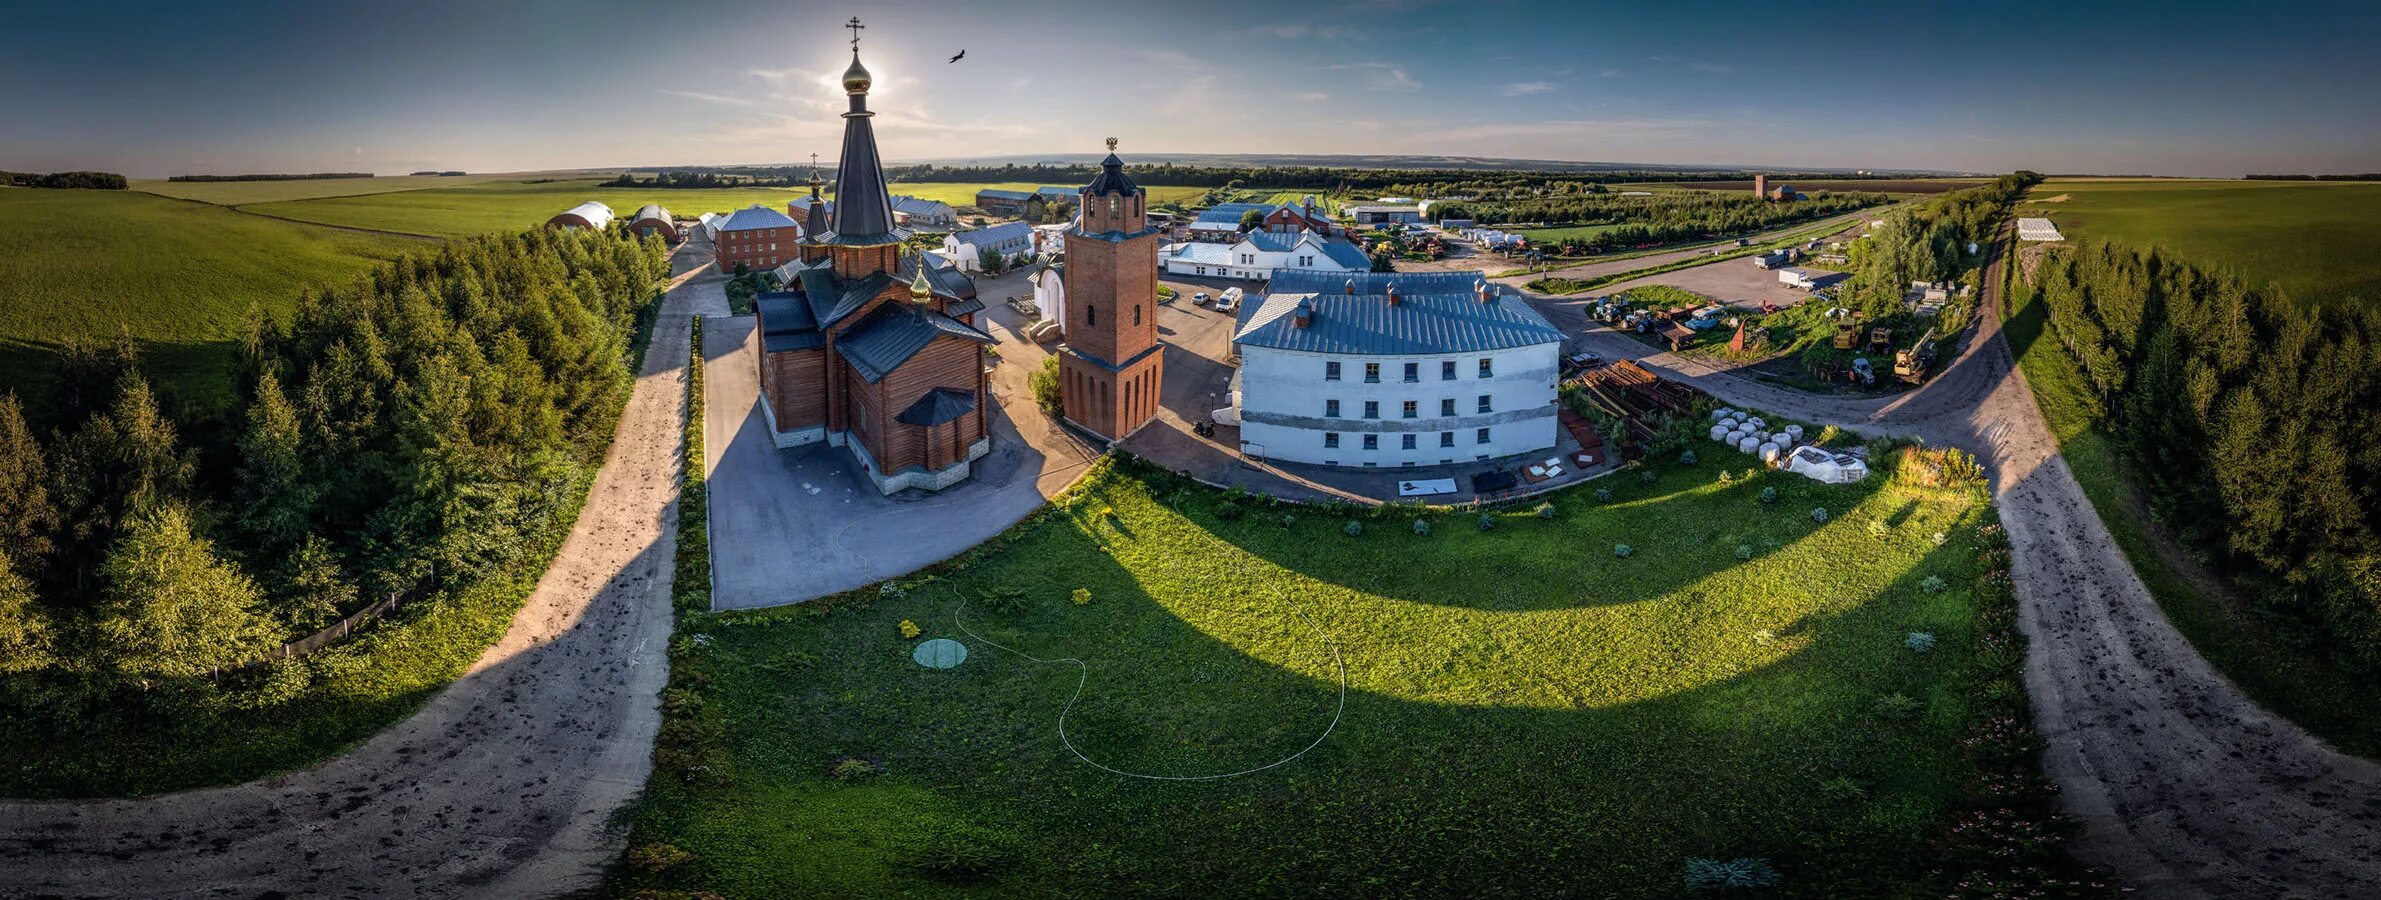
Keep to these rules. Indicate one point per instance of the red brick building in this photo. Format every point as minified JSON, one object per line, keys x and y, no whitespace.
{"x":1111,"y":367}
{"x":756,"y":238}
{"x":865,"y":350}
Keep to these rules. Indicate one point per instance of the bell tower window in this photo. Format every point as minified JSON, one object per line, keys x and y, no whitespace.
{"x":1091,"y":314}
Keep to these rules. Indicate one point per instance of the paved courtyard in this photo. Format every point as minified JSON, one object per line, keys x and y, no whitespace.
{"x":797,"y":524}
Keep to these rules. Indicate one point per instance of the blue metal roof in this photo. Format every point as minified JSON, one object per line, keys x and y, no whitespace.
{"x":1436,"y":313}
{"x":756,"y":217}
{"x":1057,"y":193}
{"x":896,"y":332}
{"x":1347,"y":254}
{"x":1004,"y":234}
{"x":1005,"y":195}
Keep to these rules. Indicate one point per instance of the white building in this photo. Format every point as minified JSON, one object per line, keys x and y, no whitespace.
{"x":1258,"y":254}
{"x":965,"y":249}
{"x":1393,"y":369}
{"x":2033,"y":229}
{"x":1049,"y":291}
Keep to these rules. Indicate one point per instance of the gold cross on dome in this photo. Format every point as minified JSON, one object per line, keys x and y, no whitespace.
{"x":855,"y":26}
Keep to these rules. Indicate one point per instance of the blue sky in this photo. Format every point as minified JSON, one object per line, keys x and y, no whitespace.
{"x":2164,"y":88}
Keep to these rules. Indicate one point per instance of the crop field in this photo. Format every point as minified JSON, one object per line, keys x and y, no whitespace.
{"x":1846,"y":185}
{"x":1543,"y":235}
{"x":178,"y":276}
{"x":2316,"y":239}
{"x":235,"y":193}
{"x":1563,"y":720}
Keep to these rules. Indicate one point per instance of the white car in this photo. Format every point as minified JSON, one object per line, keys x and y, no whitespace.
{"x":1200,"y":297}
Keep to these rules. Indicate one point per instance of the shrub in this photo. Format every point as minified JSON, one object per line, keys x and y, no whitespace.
{"x":1769,"y":495}
{"x":1727,"y":477}
{"x":1227,"y":511}
{"x":1819,"y":514}
{"x":1919,"y":641}
{"x":1421,"y":527}
{"x":1933,"y":584}
{"x":1288,"y":520}
{"x":1080,"y":597}
{"x":1352,"y":529}
{"x":1645,"y":477}
{"x":1730,"y":874}
{"x":1603,"y":495}
{"x":1546,"y":510}
{"x":1487,"y":522}
{"x":1744,"y":551}
{"x":854,"y":768}
{"x":1623,"y":550}
{"x":1687,"y":458}
{"x":1842,"y":789}
{"x":1751,"y":473}
{"x":1878,"y":527}
{"x":1044,"y":384}
{"x":1896,"y":706}
{"x":909,"y":630}
{"x":654,"y":857}
{"x":1005,"y":600}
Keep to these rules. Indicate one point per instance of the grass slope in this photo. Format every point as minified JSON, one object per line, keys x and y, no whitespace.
{"x":2316,"y":240}
{"x":2281,"y":675}
{"x":235,"y":193}
{"x":1559,"y":720}
{"x":179,"y":276}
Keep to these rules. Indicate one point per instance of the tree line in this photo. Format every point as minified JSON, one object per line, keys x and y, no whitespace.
{"x":668,"y":180}
{"x":2367,"y":176}
{"x":104,"y":181}
{"x":419,"y":431}
{"x":1418,"y":183}
{"x":313,"y":176}
{"x":1658,"y":218}
{"x":1929,"y":243}
{"x":2252,"y":421}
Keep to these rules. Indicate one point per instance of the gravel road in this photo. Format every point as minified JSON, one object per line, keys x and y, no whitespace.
{"x":501,"y":786}
{"x":2183,"y":786}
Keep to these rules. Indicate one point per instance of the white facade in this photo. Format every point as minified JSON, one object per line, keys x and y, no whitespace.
{"x":1257,"y":255}
{"x":1292,"y":409}
{"x":1049,"y":293}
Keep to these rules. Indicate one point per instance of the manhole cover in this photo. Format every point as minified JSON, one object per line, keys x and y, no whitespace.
{"x":940,"y":653}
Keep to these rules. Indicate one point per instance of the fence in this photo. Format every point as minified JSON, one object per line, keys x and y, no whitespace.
{"x":335,"y":632}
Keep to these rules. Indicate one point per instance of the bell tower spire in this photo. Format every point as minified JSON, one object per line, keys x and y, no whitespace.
{"x":1111,"y":366}
{"x":863,"y":206}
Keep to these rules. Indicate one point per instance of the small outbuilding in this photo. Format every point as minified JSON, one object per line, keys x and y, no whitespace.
{"x":652,"y":220}
{"x":591,"y":215}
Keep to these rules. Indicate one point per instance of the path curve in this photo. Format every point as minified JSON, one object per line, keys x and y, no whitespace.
{"x":2183,"y":786}
{"x":501,"y":786}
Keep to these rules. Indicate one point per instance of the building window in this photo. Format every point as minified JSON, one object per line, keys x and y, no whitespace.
{"x":1331,"y":370}
{"x":1446,"y":406}
{"x":1372,"y":442}
{"x":1331,"y":408}
{"x":1405,"y":442}
{"x":1487,"y":370}
{"x":1091,"y":314}
{"x":1413,"y":372}
{"x":1136,"y":314}
{"x":1480,"y":437}
{"x":1372,"y":409}
{"x":1372,"y":373}
{"x":1413,"y":409}
{"x":1484,"y":403}
{"x":1446,"y":439}
{"x":1447,"y":370}
{"x":1330,"y":440}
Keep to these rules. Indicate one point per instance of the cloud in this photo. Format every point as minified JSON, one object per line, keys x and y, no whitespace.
{"x":1609,"y":73}
{"x":1526,"y":88}
{"x":1291,"y":31}
{"x":1169,"y":57}
{"x":1383,"y":76}
{"x":707,"y":98}
{"x":1311,"y":96}
{"x":1695,"y":64}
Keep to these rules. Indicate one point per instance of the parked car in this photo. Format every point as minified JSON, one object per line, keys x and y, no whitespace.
{"x":1200,"y":297}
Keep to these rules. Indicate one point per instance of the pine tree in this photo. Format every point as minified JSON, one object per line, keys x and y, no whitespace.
{"x":24,"y":630}
{"x":314,"y":588}
{"x":276,"y":495}
{"x":27,"y":515}
{"x":172,"y":607}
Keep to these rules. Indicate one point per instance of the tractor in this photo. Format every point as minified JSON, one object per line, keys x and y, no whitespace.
{"x":1880,"y":340}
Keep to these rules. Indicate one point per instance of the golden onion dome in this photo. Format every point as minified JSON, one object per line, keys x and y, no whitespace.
{"x":856,"y":79}
{"x":919,"y":289}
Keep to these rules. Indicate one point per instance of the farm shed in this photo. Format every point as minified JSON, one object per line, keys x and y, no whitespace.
{"x":591,"y":215}
{"x":653,"y":219}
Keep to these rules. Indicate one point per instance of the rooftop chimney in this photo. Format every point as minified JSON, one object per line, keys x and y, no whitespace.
{"x":1304,"y":315}
{"x":1351,"y":289}
{"x":1392,"y":293}
{"x":1487,"y":294}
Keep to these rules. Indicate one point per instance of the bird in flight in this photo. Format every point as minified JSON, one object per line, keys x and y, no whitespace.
{"x":962,"y":55}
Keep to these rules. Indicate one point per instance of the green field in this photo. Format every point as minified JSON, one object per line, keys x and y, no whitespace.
{"x":2281,"y":675}
{"x":2317,"y":240}
{"x":1547,"y":235}
{"x":178,"y":276}
{"x":235,"y":193}
{"x":1526,"y":713}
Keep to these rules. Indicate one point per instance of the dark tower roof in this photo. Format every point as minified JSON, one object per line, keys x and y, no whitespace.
{"x":1111,"y":179}
{"x":814,"y":219}
{"x":863,"y":208}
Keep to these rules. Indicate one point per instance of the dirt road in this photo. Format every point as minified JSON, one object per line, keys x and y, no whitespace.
{"x":2184,"y":787}
{"x":501,"y":786}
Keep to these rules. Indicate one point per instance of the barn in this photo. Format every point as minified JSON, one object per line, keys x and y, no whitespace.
{"x":652,"y":220}
{"x":591,"y":215}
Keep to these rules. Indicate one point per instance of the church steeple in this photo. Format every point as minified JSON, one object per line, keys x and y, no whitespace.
{"x":863,"y":207}
{"x":1112,"y":202}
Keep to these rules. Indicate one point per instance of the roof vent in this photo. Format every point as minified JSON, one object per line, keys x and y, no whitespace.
{"x":1392,"y":293}
{"x":1304,"y":315}
{"x":1351,"y":289}
{"x":1487,"y":294}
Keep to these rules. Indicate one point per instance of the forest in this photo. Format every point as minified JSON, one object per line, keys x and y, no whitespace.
{"x":310,"y":176}
{"x":417,"y":433}
{"x":2250,"y":421}
{"x":105,"y":181}
{"x":1416,"y":183}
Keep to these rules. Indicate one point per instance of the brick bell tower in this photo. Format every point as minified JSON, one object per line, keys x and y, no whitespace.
{"x":1111,"y":366}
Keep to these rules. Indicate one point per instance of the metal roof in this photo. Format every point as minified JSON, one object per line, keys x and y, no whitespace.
{"x":863,"y":208}
{"x":653,"y":211}
{"x":940,"y":405}
{"x":1111,"y":179}
{"x":593,"y":211}
{"x":756,"y":217}
{"x":896,"y":332}
{"x":1347,"y":254}
{"x":1201,"y":253}
{"x":1056,"y":193}
{"x":918,"y":205}
{"x":1436,"y":313}
{"x":1005,"y":195}
{"x":1001,"y":235}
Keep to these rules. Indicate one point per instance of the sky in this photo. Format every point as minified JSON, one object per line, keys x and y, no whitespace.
{"x":2169,"y":88}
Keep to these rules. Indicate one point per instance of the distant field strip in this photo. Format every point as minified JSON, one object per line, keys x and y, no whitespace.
{"x":2317,"y":240}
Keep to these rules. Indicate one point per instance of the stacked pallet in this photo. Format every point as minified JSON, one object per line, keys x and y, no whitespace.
{"x":1626,"y":391}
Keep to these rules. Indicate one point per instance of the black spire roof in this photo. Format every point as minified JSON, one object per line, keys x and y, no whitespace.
{"x":1111,"y":179}
{"x":863,"y":208}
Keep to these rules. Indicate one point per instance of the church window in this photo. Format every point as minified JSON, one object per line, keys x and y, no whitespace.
{"x":1091,"y":314}
{"x":1136,"y":314}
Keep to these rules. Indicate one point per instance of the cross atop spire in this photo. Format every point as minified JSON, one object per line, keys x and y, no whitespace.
{"x":855,"y":27}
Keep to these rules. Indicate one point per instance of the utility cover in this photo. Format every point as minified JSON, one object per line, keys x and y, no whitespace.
{"x":940,"y":653}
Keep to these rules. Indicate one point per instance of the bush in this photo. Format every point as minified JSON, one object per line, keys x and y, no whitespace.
{"x":1227,"y":511}
{"x":1819,"y":514}
{"x":1421,"y":527}
{"x":1896,"y":706}
{"x":1288,"y":520}
{"x":1603,"y":495}
{"x":909,"y":630}
{"x":1080,"y":597}
{"x":1730,"y":874}
{"x":1645,"y":477}
{"x":1004,"y":600}
{"x":1919,"y":641}
{"x":1352,"y":529}
{"x":1744,"y":551}
{"x":1878,"y":528}
{"x":1769,"y":495}
{"x":1487,"y":522}
{"x":1687,"y":458}
{"x":1933,"y":584}
{"x":1044,"y":383}
{"x":1544,"y":511}
{"x":1727,"y":477}
{"x":854,"y":768}
{"x":1623,"y":550}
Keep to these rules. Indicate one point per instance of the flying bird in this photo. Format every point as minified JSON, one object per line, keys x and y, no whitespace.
{"x":962,"y":55}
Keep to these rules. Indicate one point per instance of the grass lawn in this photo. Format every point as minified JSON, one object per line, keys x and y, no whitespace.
{"x":2315,"y":239}
{"x":1545,"y":235}
{"x":1525,"y":712}
{"x":179,"y":276}
{"x":2242,"y":644}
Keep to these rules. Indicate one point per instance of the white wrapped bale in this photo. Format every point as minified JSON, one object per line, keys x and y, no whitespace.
{"x":1719,"y":432}
{"x":1720,"y":413}
{"x":1747,"y":445}
{"x":1794,"y":431}
{"x":1761,"y":436}
{"x":1756,"y":423}
{"x":1771,"y":452}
